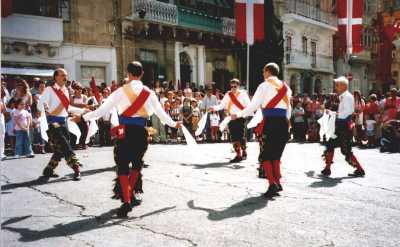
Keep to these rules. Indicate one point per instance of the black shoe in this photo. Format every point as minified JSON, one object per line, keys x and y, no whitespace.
{"x":49,"y":173}
{"x":77,"y":176}
{"x":124,"y":210}
{"x":357,"y":173}
{"x":279,"y":187}
{"x":236,"y":160}
{"x":326,"y":172}
{"x":244,"y":156}
{"x":135,"y":201}
{"x":272,"y":191}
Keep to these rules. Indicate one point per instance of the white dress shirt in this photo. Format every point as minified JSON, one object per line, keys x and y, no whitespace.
{"x":50,"y":99}
{"x":346,"y":105}
{"x":120,"y":100}
{"x":227,"y":104}
{"x":264,"y":94}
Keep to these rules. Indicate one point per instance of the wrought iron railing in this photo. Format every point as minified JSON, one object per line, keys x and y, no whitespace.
{"x":304,"y":9}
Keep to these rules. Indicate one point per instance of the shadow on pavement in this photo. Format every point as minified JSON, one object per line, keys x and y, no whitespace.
{"x":215,"y":165}
{"x":42,"y":180}
{"x":104,"y":220}
{"x":325,"y":182}
{"x":239,"y":209}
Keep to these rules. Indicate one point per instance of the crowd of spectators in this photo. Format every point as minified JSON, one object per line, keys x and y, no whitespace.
{"x":376,"y":116}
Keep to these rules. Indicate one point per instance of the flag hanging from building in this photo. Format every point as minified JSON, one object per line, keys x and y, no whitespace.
{"x":350,"y":13}
{"x":249,"y":16}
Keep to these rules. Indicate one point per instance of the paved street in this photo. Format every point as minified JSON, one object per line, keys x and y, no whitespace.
{"x":198,"y":199}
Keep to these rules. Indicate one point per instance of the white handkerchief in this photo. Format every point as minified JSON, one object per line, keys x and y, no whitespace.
{"x":93,"y":128}
{"x":44,"y":126}
{"x":224,"y":124}
{"x":74,"y":129}
{"x":189,"y":138}
{"x":201,"y":125}
{"x":256,"y":119}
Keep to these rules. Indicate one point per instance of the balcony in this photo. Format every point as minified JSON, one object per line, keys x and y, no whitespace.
{"x":311,"y":14}
{"x":170,"y":14}
{"x":155,"y":11}
{"x":300,"y":60}
{"x":32,"y":29}
{"x":191,"y":18}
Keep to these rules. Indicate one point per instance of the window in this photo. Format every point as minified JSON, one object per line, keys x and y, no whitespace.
{"x":148,"y":56}
{"x":288,"y":43}
{"x":65,"y":10}
{"x":313,"y":54}
{"x":99,"y":73}
{"x":304,"y":43}
{"x":48,"y":8}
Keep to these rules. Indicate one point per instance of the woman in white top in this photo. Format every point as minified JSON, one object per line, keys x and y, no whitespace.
{"x":80,"y":100}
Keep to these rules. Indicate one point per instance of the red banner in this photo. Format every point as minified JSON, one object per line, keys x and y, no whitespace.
{"x":249,"y":21}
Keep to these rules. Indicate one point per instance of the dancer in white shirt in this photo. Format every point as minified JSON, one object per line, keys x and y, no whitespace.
{"x":134,"y":103}
{"x":343,"y":130}
{"x":273,"y":96}
{"x":55,"y":101}
{"x":234,"y":101}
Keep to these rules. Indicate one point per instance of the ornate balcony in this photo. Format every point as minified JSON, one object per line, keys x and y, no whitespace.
{"x":192,"y":18}
{"x":171,"y":14}
{"x":311,"y":13}
{"x":155,"y":11}
{"x":32,"y":29}
{"x":299,"y":60}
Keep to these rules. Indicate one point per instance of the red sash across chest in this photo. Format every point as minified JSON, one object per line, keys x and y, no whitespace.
{"x":235,"y":101}
{"x":62,"y":97}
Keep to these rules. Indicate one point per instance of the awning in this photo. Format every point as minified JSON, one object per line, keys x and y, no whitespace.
{"x":27,"y":71}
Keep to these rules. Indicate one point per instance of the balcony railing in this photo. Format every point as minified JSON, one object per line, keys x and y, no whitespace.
{"x":300,"y":60}
{"x":156,"y":11}
{"x":228,"y":26}
{"x":32,"y":29}
{"x":306,"y":10}
{"x":191,"y":18}
{"x":170,"y":14}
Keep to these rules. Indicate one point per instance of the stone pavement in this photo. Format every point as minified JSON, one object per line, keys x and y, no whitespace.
{"x":196,"y":198}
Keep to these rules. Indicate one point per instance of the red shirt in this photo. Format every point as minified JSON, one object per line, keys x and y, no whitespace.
{"x":371,"y":108}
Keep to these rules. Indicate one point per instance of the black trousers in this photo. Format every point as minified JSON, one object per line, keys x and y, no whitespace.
{"x":131,"y":149}
{"x":274,"y":139}
{"x":104,"y":133}
{"x":343,"y":140}
{"x":59,"y":138}
{"x":237,"y":130}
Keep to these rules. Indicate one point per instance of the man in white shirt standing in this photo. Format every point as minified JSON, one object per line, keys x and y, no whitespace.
{"x":134,"y":103}
{"x":55,"y":101}
{"x":273,"y":96}
{"x":234,"y":101}
{"x":343,"y":130}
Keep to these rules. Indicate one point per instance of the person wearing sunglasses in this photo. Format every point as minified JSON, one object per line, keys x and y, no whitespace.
{"x":273,"y":97}
{"x":234,"y":101}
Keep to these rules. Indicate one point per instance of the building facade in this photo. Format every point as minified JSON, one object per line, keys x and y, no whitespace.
{"x":308,"y":29}
{"x":39,"y":36}
{"x":360,"y":67}
{"x":391,"y":17}
{"x":179,"y":41}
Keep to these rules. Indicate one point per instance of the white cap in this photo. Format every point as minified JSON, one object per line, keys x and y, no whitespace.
{"x":341,"y":79}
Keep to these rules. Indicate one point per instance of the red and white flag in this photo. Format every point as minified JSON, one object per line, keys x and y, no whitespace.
{"x":350,"y":14}
{"x":249,"y":20}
